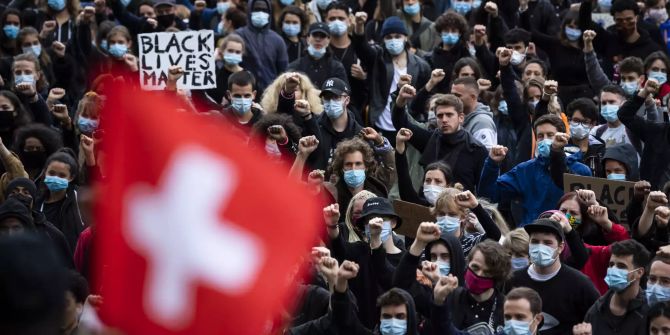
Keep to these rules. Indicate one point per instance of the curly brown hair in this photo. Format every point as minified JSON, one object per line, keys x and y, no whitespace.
{"x":350,"y":146}
{"x":452,"y":19}
{"x":498,"y":260}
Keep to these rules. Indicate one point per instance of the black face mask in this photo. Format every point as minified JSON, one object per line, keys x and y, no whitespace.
{"x":34,"y":159}
{"x":24,"y":199}
{"x":165,"y":20}
{"x":7,"y":120}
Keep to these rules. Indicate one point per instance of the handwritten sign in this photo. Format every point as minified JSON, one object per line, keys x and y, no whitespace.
{"x":412,"y":215}
{"x":193,"y":51}
{"x":616,"y":195}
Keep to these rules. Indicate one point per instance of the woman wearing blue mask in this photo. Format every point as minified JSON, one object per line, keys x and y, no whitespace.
{"x":118,"y":60}
{"x":290,"y":26}
{"x":415,"y":22}
{"x":567,"y":59}
{"x":29,"y":42}
{"x":451,"y":212}
{"x":11,"y":24}
{"x":29,"y":83}
{"x":656,"y":66}
{"x":57,"y":197}
{"x":230,"y":53}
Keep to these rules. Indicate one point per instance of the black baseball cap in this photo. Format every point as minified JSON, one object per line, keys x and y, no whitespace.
{"x":319,"y":27}
{"x":158,"y":3}
{"x":377,"y":207}
{"x":546,"y":226}
{"x":334,"y":85}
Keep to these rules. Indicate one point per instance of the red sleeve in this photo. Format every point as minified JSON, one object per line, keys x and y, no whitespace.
{"x":618,"y":233}
{"x":82,"y":245}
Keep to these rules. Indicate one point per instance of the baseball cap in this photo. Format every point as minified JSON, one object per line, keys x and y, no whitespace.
{"x":334,"y":85}
{"x":319,"y":27}
{"x":377,"y":207}
{"x":546,"y":226}
{"x":164,"y":3}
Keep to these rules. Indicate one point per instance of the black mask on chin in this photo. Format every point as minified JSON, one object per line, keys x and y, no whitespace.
{"x":24,"y":199}
{"x":166,"y":20}
{"x":34,"y":159}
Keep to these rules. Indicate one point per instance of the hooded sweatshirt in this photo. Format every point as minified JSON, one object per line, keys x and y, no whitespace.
{"x":266,"y":55}
{"x":479,"y":123}
{"x":13,"y":208}
{"x":626,"y":154}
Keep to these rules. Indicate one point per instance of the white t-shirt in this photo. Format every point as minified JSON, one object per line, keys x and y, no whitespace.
{"x":385,"y":122}
{"x":612,"y":136}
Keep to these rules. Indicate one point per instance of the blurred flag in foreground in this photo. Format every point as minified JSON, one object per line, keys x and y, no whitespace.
{"x":197,"y":233}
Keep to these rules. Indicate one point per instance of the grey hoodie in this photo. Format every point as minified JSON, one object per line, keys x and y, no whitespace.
{"x":626,"y":154}
{"x":481,"y":126}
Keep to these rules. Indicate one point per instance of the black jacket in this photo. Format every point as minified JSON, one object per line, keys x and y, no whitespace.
{"x":69,"y":216}
{"x":318,"y":70}
{"x":329,"y":138}
{"x":655,"y":160}
{"x":445,"y":59}
{"x":634,"y":322}
{"x":48,"y":230}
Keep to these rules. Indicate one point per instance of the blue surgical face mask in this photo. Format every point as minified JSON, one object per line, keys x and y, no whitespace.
{"x":286,"y":2}
{"x":533,"y":103}
{"x":241,"y":105}
{"x":450,"y":38}
{"x":323,"y":4}
{"x":516,"y":327}
{"x":657,"y":293}
{"x":412,"y":9}
{"x":444,"y":267}
{"x":337,"y":27}
{"x":616,"y":176}
{"x":462,"y":7}
{"x":291,"y":29}
{"x":56,"y":5}
{"x":55,"y":184}
{"x":502,"y":107}
{"x":222,"y":7}
{"x":431,"y":192}
{"x":11,"y":31}
{"x":232,"y":58}
{"x":393,"y":326}
{"x":610,"y":112}
{"x":519,"y":263}
{"x":117,"y":50}
{"x":660,"y":77}
{"x":103,"y":46}
{"x":448,"y":224}
{"x":605,"y":5}
{"x":395,"y":45}
{"x":36,"y":50}
{"x":543,"y":148}
{"x":386,"y":231}
{"x":125,"y":3}
{"x":542,"y":255}
{"x":572,"y":34}
{"x":260,"y":19}
{"x":24,"y":79}
{"x":333,"y":108}
{"x":630,"y":87}
{"x":354,"y":178}
{"x":579,"y":131}
{"x":316,"y":53}
{"x":617,"y":279}
{"x":86,"y":125}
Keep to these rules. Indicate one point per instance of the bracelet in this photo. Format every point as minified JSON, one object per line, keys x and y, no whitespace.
{"x":285,"y":143}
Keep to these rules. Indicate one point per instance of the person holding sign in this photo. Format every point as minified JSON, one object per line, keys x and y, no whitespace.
{"x":266,"y":57}
{"x":537,"y":181}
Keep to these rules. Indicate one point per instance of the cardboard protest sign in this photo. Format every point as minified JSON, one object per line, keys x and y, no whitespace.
{"x":192,"y":50}
{"x":412,"y":215}
{"x":616,"y":195}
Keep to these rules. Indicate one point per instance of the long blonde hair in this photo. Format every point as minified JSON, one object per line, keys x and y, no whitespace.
{"x":310,"y":93}
{"x":362,"y":195}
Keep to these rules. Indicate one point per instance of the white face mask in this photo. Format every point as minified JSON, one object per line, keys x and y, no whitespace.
{"x":432,"y":192}
{"x":517,"y":58}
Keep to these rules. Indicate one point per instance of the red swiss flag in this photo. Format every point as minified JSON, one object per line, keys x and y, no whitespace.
{"x":197,"y":232}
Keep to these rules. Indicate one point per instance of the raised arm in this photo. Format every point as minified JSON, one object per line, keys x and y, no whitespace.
{"x":594,"y":72}
{"x":365,"y":52}
{"x":468,"y":200}
{"x":400,"y":118}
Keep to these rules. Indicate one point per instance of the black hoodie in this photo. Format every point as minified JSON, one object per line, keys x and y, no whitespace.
{"x":625,"y":154}
{"x":346,"y":321}
{"x":13,"y":208}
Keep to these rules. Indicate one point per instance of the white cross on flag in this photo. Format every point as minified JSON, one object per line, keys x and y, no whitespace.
{"x":196,"y":233}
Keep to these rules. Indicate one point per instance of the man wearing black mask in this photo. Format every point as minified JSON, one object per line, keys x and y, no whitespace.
{"x":25,"y":191}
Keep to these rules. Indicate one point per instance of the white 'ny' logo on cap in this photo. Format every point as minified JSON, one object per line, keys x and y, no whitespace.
{"x":330,"y":83}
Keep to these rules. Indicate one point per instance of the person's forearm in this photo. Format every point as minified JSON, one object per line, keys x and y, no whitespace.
{"x":298,"y":167}
{"x":646,"y":220}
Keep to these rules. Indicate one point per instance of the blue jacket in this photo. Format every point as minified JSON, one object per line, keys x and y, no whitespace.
{"x":265,"y":55}
{"x":531,"y":181}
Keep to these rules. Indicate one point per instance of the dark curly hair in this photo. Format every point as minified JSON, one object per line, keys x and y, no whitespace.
{"x":498,"y":259}
{"x":467,"y":61}
{"x":350,"y":146}
{"x":275,"y":119}
{"x":452,"y":19}
{"x":51,"y":139}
